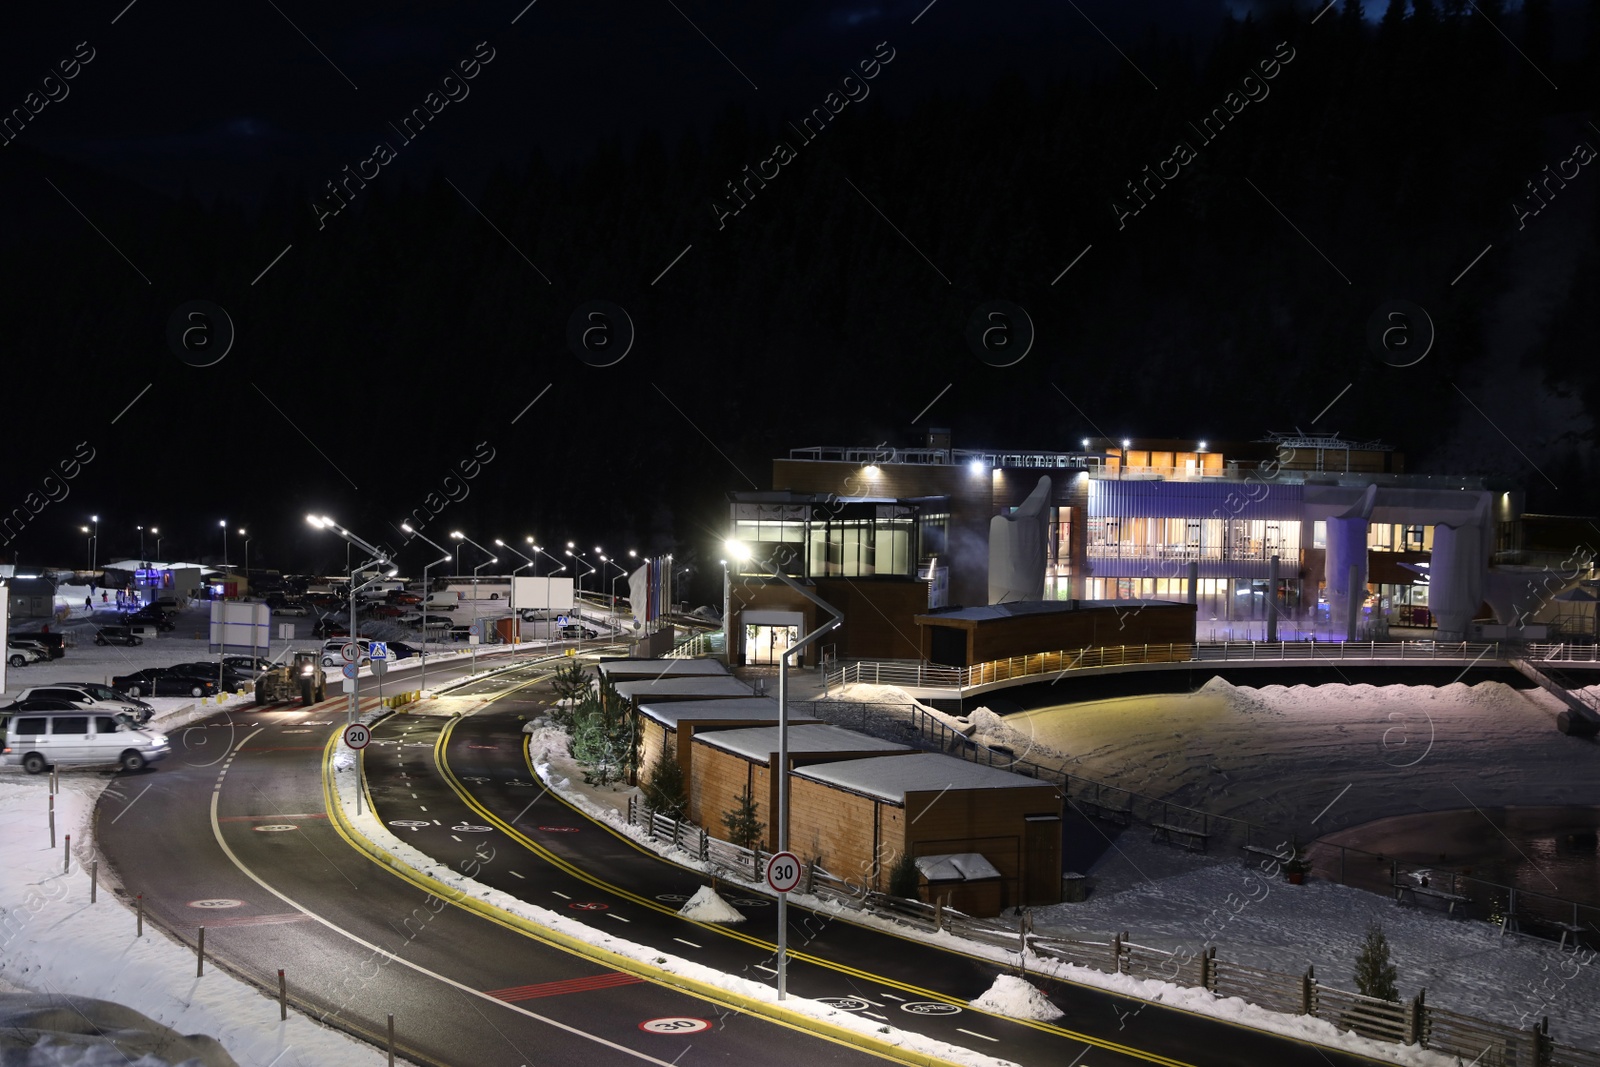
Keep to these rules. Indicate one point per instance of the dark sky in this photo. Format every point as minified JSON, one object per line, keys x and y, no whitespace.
{"x":375,"y":355}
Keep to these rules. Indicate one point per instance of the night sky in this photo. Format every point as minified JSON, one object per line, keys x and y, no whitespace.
{"x":411,"y":214}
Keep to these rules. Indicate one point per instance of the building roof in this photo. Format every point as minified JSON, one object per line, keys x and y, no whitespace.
{"x":645,"y":689}
{"x":658,"y":668}
{"x":760,"y":742}
{"x":31,"y":587}
{"x":1019,"y":608}
{"x":892,"y":777}
{"x":743,"y":711}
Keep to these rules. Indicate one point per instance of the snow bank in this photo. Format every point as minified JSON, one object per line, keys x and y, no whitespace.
{"x":1012,"y":996}
{"x":705,"y":906}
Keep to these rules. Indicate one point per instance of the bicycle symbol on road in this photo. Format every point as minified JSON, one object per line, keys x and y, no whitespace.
{"x":475,"y":779}
{"x":410,"y":824}
{"x":845,"y":1003}
{"x":466,"y":828}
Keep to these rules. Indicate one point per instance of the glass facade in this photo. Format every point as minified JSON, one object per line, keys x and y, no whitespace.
{"x":843,"y":539}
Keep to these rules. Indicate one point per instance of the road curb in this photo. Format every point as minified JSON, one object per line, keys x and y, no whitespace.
{"x":462,"y":897}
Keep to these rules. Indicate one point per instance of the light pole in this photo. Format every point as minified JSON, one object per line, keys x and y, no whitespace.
{"x":577,"y":602}
{"x":142,"y":561}
{"x":246,"y":556}
{"x":549,"y":623}
{"x":88,"y":548}
{"x":727,"y":633}
{"x":459,"y":536}
{"x":382,"y":560}
{"x":154,"y":532}
{"x":94,"y":550}
{"x":425,"y":592}
{"x":535,"y":558}
{"x":531,"y":563}
{"x":224,"y":525}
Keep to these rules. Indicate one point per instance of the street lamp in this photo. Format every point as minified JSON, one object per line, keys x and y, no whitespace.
{"x":224,"y":525}
{"x":549,"y":623}
{"x":532,"y":562}
{"x":246,"y":557}
{"x":94,"y":551}
{"x":154,"y":533}
{"x":142,"y":561}
{"x":459,"y":536}
{"x":382,"y":559}
{"x":535,"y":558}
{"x":425,"y":591}
{"x":508,"y":548}
{"x":88,"y":547}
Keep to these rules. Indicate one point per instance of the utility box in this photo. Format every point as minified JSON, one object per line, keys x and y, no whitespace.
{"x":509,"y":629}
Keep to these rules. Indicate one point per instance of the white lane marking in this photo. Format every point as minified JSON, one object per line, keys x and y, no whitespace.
{"x":619,"y":918}
{"x":560,"y":894}
{"x":436,"y":822}
{"x":874,"y":1015}
{"x":216,"y":832}
{"x":974,"y":1033}
{"x":681,"y":941}
{"x":891,"y":996}
{"x":424,"y":807}
{"x":457,"y":838}
{"x":769,"y":970}
{"x":514,"y":874}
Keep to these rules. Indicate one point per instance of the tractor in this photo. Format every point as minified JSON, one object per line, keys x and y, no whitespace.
{"x":302,"y":677}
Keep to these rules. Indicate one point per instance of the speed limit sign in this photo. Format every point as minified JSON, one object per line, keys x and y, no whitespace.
{"x":356,"y":735}
{"x":783,"y":872}
{"x":349,"y":652}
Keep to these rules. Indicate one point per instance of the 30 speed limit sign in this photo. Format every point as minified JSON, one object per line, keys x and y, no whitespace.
{"x":783,"y":872}
{"x":356,"y":735}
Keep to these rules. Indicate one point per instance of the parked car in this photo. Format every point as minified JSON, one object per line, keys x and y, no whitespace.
{"x":117,"y":635}
{"x":329,"y":626}
{"x":400,"y":596}
{"x":332,"y":654}
{"x":32,"y":643}
{"x":250,"y":666}
{"x":231,"y":679}
{"x":290,"y":607}
{"x":170,"y":604}
{"x":97,"y":697}
{"x":55,"y":645}
{"x":537,"y":614}
{"x":44,"y":735}
{"x":151,"y":615}
{"x":163,"y":682}
{"x":387,"y":611}
{"x":22,"y":655}
{"x":401,"y":650}
{"x":434,"y":622}
{"x":583,"y":632}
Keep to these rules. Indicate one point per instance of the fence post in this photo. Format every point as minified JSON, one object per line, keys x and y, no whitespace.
{"x":66,"y":856}
{"x":1414,"y":1012}
{"x":283,"y":996}
{"x":138,"y":912}
{"x":200,"y":955}
{"x":94,"y":879}
{"x":1116,"y":954}
{"x":1308,"y":982}
{"x":1208,"y":977}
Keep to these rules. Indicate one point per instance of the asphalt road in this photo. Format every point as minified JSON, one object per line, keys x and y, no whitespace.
{"x":473,"y":772}
{"x":232,"y":833}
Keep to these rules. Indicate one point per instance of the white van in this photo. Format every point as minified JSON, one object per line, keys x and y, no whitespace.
{"x":42,"y":739}
{"x":446,"y":600}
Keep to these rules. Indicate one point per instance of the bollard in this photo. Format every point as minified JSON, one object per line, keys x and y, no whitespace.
{"x":283,"y":996}
{"x":66,"y":856}
{"x":94,"y":879}
{"x":52,"y":822}
{"x":200,"y":955}
{"x":391,"y":1040}
{"x":138,"y":904}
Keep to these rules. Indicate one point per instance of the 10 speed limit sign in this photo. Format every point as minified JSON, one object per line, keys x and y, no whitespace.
{"x":783,"y":872}
{"x":356,"y":735}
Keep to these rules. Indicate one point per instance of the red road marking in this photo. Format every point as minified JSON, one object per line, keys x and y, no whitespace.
{"x":571,"y":985}
{"x":247,"y":818}
{"x":589,"y":905}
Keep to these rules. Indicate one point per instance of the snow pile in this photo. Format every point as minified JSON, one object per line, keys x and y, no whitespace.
{"x":39,"y":1029}
{"x":1012,"y":996}
{"x":705,"y":906}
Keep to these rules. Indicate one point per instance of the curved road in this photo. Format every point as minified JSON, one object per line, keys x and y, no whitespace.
{"x":232,"y":833}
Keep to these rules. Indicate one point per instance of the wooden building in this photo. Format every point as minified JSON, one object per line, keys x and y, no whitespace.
{"x":971,"y":636}
{"x":671,"y":724}
{"x":729,"y":762}
{"x":858,"y":817}
{"x":629,"y":670}
{"x":715,"y":687}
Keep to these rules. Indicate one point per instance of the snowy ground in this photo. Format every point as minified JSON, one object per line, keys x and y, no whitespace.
{"x":1281,"y":755}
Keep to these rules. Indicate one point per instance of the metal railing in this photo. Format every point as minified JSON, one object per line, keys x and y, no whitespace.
{"x":708,"y":643}
{"x":1039,"y":664}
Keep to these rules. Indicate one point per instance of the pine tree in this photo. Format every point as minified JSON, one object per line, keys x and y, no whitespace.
{"x":744,"y":829}
{"x":903,"y":878}
{"x":1375,"y":974}
{"x":663,"y":790}
{"x":569,"y":682}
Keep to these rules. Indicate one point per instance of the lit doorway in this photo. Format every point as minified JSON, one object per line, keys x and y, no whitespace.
{"x":764,"y":644}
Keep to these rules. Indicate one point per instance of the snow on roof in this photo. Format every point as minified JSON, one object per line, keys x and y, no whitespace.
{"x":1042,"y":607}
{"x":747,"y":709}
{"x":659,"y":668}
{"x":956,"y":867}
{"x":643,"y":689}
{"x":760,"y":742}
{"x":892,"y":777}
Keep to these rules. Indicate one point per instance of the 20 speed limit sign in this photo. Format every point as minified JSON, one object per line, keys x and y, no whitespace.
{"x":356,"y":735}
{"x":783,"y":872}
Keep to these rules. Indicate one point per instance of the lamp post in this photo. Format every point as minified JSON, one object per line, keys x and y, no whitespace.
{"x":577,"y":602}
{"x":459,"y":536}
{"x":727,"y":633}
{"x":94,"y":546}
{"x":154,"y":532}
{"x":425,"y":591}
{"x":531,"y":563}
{"x":88,"y":547}
{"x":535,"y":558}
{"x":549,"y":623}
{"x":246,"y":556}
{"x":379,"y":557}
{"x":141,"y":545}
{"x":224,"y":525}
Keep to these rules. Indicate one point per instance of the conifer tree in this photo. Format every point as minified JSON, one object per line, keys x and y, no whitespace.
{"x":1375,"y":974}
{"x":663,"y":790}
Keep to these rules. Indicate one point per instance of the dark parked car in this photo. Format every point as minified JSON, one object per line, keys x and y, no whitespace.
{"x":117,"y":635}
{"x":330,"y":627}
{"x":162,"y":682}
{"x":231,"y":679}
{"x":400,"y":596}
{"x":55,"y":645}
{"x":150,"y":615}
{"x":42,"y":704}
{"x":582,"y":632}
{"x":401,"y":650}
{"x":250,"y":666}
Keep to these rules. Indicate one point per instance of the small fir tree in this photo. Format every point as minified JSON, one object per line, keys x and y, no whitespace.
{"x":1375,"y":974}
{"x":663,"y":790}
{"x":570,"y":683}
{"x":744,"y":828}
{"x":903,"y":878}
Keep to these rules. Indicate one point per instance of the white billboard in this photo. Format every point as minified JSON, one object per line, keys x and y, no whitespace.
{"x":240,"y":626}
{"x":540,"y":594}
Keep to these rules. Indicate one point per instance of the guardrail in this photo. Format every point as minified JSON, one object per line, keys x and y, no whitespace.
{"x":915,"y":675}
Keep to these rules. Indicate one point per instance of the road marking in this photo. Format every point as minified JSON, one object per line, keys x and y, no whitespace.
{"x":614,"y":915}
{"x":691,"y":944}
{"x":514,"y":874}
{"x":436,"y":822}
{"x":874,"y":1015}
{"x":560,"y":894}
{"x":974,"y":1033}
{"x":424,"y":807}
{"x":457,"y":838}
{"x":891,"y":996}
{"x":769,"y":970}
{"x":569,"y":985}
